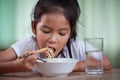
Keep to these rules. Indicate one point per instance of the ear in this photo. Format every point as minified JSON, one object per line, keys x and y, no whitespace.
{"x":33,"y":27}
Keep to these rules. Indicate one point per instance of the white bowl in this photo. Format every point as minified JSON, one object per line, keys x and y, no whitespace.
{"x":58,"y":67}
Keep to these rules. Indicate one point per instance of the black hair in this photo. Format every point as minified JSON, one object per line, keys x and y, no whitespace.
{"x":69,"y":8}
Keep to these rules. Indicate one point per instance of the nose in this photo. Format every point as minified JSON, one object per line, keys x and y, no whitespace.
{"x":53,"y":39}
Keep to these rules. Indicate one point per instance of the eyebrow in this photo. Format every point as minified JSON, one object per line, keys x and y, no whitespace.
{"x":44,"y":26}
{"x":64,"y":29}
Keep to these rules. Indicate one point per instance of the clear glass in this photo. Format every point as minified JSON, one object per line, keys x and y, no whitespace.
{"x":94,"y":55}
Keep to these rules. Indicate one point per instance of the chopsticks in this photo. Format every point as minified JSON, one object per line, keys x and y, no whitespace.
{"x":42,"y":60}
{"x":42,"y":50}
{"x":47,"y":49}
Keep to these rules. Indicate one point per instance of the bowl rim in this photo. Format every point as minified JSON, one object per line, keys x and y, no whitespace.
{"x":64,"y":60}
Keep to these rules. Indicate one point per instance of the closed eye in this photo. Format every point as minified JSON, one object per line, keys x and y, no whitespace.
{"x":62,"y":34}
{"x":45,"y":29}
{"x":46,"y":32}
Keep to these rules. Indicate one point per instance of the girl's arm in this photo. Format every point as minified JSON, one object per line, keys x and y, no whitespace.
{"x":18,"y":65}
{"x":10,"y":63}
{"x":11,"y":66}
{"x":7,"y":55}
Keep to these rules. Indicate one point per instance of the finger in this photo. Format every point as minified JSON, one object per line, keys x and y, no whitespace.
{"x":33,"y":52}
{"x":26,"y":54}
{"x":29,"y":66}
{"x":24,"y":66}
{"x":31,"y":59}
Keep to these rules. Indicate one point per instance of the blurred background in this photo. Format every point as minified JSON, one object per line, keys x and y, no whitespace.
{"x":99,"y":18}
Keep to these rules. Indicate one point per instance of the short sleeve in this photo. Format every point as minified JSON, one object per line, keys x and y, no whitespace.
{"x":23,"y":45}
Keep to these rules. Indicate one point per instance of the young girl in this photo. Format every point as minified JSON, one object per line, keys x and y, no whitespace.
{"x":54,"y":25}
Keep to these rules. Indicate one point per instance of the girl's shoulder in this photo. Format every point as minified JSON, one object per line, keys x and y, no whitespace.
{"x":23,"y":45}
{"x":27,"y":41}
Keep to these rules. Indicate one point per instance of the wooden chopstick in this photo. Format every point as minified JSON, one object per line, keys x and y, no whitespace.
{"x":42,"y":50}
{"x":37,"y":52}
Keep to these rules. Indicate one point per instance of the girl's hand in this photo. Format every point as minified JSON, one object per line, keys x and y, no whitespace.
{"x":27,"y":63}
{"x":107,"y":64}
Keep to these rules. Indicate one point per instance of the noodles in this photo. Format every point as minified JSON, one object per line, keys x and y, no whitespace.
{"x":50,"y":53}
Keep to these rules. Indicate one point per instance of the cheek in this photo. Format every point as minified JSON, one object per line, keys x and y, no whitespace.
{"x":63,"y":41}
{"x":41,"y":41}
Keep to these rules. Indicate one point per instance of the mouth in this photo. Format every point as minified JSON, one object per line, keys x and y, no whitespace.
{"x":53,"y":49}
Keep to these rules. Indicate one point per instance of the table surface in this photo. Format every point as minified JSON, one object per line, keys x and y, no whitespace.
{"x":114,"y":74}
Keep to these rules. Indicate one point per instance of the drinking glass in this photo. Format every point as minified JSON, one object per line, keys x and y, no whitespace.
{"x":94,"y":55}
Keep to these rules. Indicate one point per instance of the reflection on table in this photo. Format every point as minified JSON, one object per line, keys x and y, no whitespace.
{"x":114,"y":74}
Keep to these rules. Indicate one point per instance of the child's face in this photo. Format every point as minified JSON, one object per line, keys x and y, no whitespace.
{"x":53,"y":30}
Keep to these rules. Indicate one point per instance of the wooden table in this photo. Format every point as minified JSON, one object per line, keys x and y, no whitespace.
{"x":114,"y":74}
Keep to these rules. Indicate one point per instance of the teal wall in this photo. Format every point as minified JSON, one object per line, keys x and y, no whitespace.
{"x":99,"y":18}
{"x":7,"y":25}
{"x":15,"y":21}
